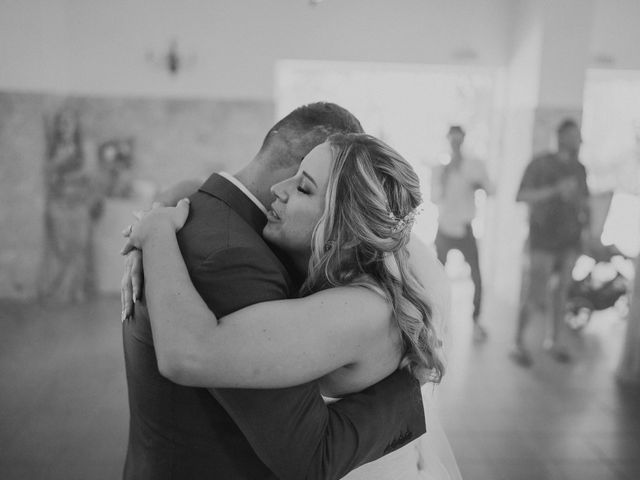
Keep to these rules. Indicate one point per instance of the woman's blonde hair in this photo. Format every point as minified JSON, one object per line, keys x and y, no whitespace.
{"x":370,"y":205}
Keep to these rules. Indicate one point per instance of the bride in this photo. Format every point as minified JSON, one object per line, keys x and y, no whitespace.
{"x":373,"y":300}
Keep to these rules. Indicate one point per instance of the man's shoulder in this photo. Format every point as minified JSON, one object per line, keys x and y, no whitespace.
{"x":581,"y":166}
{"x":214,"y":230}
{"x":214,"y":220}
{"x":544,"y":158}
{"x":543,"y":163}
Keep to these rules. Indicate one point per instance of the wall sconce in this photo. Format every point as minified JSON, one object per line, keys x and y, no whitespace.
{"x":172,"y":60}
{"x":464,"y":54}
{"x":603,"y":60}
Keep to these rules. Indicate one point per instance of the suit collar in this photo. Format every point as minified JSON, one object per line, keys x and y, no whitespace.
{"x":244,"y":190}
{"x":221,"y":188}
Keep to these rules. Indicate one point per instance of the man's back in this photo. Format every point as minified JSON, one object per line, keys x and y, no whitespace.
{"x":183,"y":432}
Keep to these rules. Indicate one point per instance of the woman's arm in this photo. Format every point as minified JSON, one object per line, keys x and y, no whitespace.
{"x":131,"y":284}
{"x":268,"y":345}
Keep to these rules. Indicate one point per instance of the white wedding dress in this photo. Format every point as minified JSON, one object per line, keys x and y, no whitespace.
{"x":429,"y":457}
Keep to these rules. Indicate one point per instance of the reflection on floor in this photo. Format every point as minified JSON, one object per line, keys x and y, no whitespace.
{"x":63,"y":410}
{"x":550,"y":421}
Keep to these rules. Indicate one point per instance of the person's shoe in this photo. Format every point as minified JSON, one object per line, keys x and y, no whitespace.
{"x":479,"y":333}
{"x":521,"y":356}
{"x":557,"y":352}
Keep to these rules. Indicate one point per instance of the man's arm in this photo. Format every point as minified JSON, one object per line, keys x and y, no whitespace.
{"x":536,"y":195}
{"x":588,"y":237}
{"x":291,"y":429}
{"x":484,"y":182}
{"x":299,"y":437}
{"x":531,"y":191}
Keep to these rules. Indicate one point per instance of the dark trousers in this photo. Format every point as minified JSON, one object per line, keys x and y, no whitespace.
{"x":468,"y":246}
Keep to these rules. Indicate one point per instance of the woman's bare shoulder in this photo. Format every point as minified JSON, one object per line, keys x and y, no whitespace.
{"x":362,"y":303}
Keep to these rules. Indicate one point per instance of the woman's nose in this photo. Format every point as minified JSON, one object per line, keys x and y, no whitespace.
{"x":280,"y":191}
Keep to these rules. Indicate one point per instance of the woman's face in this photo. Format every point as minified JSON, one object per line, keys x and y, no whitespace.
{"x":299,"y":202}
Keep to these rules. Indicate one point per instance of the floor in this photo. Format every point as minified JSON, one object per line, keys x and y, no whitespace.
{"x":550,"y":421}
{"x":63,"y":410}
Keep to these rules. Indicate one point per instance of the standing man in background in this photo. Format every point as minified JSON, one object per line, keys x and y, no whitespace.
{"x":453,"y":189}
{"x":554,"y":186}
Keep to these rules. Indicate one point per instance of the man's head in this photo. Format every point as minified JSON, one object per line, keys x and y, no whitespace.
{"x":569,"y":138}
{"x":290,"y":140}
{"x":455,"y":136}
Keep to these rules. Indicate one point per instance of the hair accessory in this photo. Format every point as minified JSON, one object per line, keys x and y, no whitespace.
{"x":405,"y":222}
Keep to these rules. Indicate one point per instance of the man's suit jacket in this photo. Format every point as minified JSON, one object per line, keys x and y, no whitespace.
{"x":182,"y":432}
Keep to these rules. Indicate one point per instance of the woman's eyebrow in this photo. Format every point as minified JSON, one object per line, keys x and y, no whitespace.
{"x":305,"y":174}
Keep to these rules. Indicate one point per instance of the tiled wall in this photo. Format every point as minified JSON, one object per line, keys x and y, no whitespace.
{"x":174,"y":139}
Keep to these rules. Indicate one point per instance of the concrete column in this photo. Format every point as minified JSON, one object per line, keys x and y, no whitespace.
{"x":545,"y":80}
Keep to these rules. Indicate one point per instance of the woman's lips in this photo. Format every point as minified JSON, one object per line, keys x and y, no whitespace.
{"x":272,"y":214}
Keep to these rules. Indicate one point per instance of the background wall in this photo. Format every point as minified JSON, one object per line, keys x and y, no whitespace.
{"x":100,"y":47}
{"x":174,"y":139}
{"x":105,"y":58}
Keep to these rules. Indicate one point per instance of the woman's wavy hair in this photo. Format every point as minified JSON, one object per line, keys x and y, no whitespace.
{"x":370,"y":204}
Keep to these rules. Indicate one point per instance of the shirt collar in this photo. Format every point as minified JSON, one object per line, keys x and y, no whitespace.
{"x":244,"y":190}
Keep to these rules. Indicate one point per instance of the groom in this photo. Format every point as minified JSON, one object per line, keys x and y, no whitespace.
{"x":178,"y":432}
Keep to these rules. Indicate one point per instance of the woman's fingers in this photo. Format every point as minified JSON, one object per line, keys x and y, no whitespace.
{"x":131,"y":284}
{"x":148,"y":220}
{"x":125,"y":292}
{"x":127,"y":231}
{"x":182,"y":212}
{"x":128,"y":247}
{"x":135,"y":261}
{"x":123,"y":300}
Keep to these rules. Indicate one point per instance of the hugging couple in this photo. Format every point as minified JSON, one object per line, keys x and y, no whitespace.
{"x":288,"y":317}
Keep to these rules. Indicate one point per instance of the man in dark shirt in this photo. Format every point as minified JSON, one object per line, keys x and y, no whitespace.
{"x":554,"y":186}
{"x":179,"y":432}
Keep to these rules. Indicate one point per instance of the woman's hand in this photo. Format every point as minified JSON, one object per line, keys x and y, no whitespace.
{"x":132,"y":283}
{"x":154,"y":221}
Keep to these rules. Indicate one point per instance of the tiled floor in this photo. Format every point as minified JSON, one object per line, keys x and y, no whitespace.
{"x":63,"y":407}
{"x":550,"y":421}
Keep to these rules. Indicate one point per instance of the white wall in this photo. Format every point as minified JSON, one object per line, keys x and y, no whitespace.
{"x":616,"y":33}
{"x":99,"y":46}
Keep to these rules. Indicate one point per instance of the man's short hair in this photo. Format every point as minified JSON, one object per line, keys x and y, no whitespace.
{"x":456,"y":129}
{"x":306,"y":127}
{"x":566,"y":124}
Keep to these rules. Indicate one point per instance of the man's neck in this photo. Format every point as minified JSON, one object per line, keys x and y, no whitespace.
{"x":567,"y":155}
{"x":456,"y":157}
{"x":248,"y":176}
